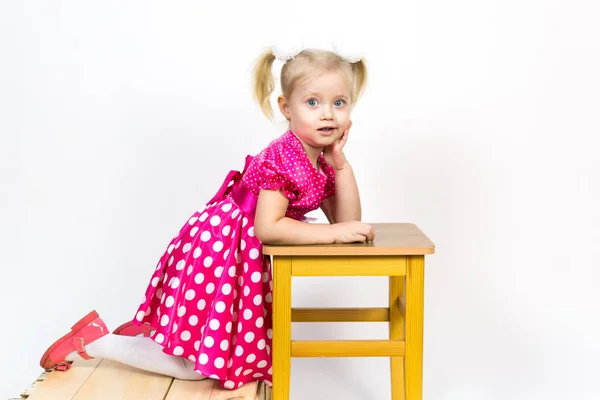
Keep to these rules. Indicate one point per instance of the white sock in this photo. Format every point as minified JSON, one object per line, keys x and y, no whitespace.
{"x":140,"y":352}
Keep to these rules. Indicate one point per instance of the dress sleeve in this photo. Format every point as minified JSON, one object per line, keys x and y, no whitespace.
{"x":272,"y":176}
{"x":268,"y":171}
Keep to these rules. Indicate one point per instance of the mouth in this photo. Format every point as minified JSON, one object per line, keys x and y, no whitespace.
{"x":327,"y":129}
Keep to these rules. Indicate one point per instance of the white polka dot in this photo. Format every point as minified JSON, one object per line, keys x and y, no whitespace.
{"x":175,"y":326}
{"x":219,"y":362}
{"x":257,"y":375}
{"x":187,"y":247}
{"x":270,"y":333}
{"x":226,"y":207}
{"x":192,"y":358}
{"x":170,"y":249}
{"x":164,"y":320}
{"x":251,"y":358}
{"x":219,"y":271}
{"x":231,"y":271}
{"x":259,"y":322}
{"x":170,"y":261}
{"x":205,"y":236}
{"x":239,"y":327}
{"x":229,"y":384}
{"x":246,"y":290}
{"x":248,"y":372}
{"x":193,"y":320}
{"x":170,"y":301}
{"x":208,"y":261}
{"x":175,"y":283}
{"x":201,"y":304}
{"x":265,"y":277}
{"x":220,"y":307}
{"x":243,"y":244}
{"x":270,"y":371}
{"x":228,"y":327}
{"x":226,"y":230}
{"x":226,"y":289}
{"x":249,"y":337}
{"x":197,"y":345}
{"x":159,"y":338}
{"x":178,"y":351}
{"x":209,"y":341}
{"x":218,"y":246}
{"x":239,"y":350}
{"x":190,"y":294}
{"x":251,"y":231}
{"x":155,"y":281}
{"x":268,"y":298}
{"x":203,"y":359}
{"x":246,"y":267}
{"x":193,"y":220}
{"x":214,"y":324}
{"x":203,"y":217}
{"x":140,"y":315}
{"x":178,"y":244}
{"x":226,"y":254}
{"x":254,"y":254}
{"x":185,"y":336}
{"x":199,"y":278}
{"x":190,"y":269}
{"x":247,"y":314}
{"x":197,"y":252}
{"x":235,"y":213}
{"x":256,"y":277}
{"x":215,"y":220}
{"x":240,"y":280}
{"x":238,"y":371}
{"x":193,"y":231}
{"x":224,"y":345}
{"x":244,"y":221}
{"x":261,"y":344}
{"x":257,"y":299}
{"x":210,"y":288}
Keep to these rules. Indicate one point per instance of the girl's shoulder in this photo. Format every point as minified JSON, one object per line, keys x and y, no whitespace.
{"x":282,"y":152}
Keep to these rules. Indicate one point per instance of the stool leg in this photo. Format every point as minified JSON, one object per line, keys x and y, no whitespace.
{"x":282,"y":327}
{"x":413,"y":362}
{"x":396,"y":333}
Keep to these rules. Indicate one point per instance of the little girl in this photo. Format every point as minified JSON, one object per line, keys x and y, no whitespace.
{"x":207,"y":309}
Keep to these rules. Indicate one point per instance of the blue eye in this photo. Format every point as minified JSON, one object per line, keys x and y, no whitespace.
{"x":339,"y":103}
{"x":312,"y":102}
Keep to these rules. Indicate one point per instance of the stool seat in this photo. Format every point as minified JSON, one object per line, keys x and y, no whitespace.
{"x":398,"y":252}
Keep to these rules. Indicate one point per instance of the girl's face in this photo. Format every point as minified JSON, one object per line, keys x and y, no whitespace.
{"x":319,"y":109}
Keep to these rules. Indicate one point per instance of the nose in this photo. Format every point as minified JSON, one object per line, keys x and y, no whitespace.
{"x":326,"y":114}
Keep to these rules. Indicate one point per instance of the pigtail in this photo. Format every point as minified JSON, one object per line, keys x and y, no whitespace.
{"x":359,"y":69}
{"x":264,"y":84}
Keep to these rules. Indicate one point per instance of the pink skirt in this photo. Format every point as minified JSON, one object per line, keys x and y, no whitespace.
{"x":210,"y":296}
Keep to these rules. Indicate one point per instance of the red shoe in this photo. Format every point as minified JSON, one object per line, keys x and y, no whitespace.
{"x":85,"y":331}
{"x":131,"y":329}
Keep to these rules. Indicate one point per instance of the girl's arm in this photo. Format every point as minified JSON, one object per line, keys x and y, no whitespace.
{"x":345,"y":205}
{"x":273,"y":227}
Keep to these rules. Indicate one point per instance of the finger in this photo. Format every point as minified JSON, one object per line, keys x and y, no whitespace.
{"x":358,"y":237}
{"x":343,"y":139}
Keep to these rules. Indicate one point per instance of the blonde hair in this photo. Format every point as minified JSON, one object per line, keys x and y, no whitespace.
{"x":303,"y":66}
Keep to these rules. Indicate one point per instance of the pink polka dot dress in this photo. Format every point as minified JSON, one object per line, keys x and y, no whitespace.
{"x":210,"y":295}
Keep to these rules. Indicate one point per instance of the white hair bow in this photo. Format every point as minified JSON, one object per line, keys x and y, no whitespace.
{"x":287,"y":51}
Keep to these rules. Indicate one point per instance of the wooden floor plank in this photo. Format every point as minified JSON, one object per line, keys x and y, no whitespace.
{"x":247,"y":392}
{"x":64,"y":385}
{"x":191,"y":390}
{"x":115,"y":381}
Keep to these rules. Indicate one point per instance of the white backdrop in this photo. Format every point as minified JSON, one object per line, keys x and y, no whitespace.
{"x":479,"y":124}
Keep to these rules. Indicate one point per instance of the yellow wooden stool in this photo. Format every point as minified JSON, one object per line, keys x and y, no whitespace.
{"x":398,"y":252}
